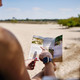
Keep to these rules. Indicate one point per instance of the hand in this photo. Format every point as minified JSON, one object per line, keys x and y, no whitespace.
{"x":54,"y":68}
{"x":30,"y":64}
{"x":44,"y":54}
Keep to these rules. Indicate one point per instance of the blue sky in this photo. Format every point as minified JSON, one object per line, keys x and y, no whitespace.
{"x":39,"y":9}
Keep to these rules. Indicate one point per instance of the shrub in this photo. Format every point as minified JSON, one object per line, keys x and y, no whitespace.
{"x":13,"y":21}
{"x":70,"y":22}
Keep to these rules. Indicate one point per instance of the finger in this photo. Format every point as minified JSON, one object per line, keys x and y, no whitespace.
{"x":32,"y":68}
{"x":54,"y":64}
{"x":42,"y":48}
{"x":36,"y":60}
{"x":32,"y":64}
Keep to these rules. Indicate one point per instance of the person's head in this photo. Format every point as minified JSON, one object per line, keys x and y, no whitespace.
{"x":8,"y":43}
{"x":10,"y":53}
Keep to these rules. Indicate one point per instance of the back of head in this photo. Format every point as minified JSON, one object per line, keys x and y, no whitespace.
{"x":8,"y":44}
{"x":11,"y":54}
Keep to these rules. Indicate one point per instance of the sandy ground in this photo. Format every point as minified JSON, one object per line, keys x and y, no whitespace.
{"x":70,"y":67}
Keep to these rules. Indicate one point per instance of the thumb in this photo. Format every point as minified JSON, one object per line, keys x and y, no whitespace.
{"x":42,"y":48}
{"x":35,"y":59}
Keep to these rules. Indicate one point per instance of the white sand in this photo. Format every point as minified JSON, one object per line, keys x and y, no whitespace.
{"x":69,"y":68}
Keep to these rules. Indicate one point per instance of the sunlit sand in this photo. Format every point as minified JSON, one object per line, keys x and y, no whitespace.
{"x":69,"y":68}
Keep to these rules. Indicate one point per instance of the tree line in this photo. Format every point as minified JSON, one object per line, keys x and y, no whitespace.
{"x":70,"y":22}
{"x":31,"y":21}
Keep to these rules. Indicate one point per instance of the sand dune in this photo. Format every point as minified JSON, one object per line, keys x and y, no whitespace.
{"x":70,"y":66}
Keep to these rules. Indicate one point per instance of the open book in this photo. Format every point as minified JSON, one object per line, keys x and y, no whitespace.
{"x":53,"y":45}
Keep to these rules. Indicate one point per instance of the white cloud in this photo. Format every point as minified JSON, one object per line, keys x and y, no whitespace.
{"x":66,"y":9}
{"x":13,"y":9}
{"x":36,"y":8}
{"x":78,"y":9}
